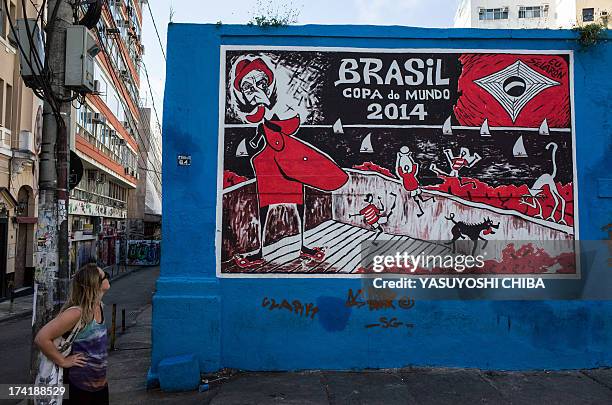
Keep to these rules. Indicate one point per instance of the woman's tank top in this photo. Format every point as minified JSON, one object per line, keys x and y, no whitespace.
{"x":92,"y":342}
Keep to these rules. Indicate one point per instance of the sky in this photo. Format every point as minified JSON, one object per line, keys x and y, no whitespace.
{"x":419,"y":13}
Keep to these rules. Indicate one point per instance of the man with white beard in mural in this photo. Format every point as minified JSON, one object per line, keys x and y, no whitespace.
{"x":284,"y":165}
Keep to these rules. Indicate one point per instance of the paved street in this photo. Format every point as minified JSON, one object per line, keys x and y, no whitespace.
{"x":128,"y":365}
{"x":132,"y":292}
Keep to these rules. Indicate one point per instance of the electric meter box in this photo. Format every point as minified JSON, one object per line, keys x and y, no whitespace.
{"x":81,"y":49}
{"x":35,"y":51}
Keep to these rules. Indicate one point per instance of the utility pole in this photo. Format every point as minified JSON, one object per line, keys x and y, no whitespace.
{"x":51,"y":279}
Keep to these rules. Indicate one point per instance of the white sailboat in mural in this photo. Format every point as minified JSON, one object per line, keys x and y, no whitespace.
{"x":241,"y":150}
{"x":544,"y":128}
{"x":366,"y":144}
{"x":484,"y":129}
{"x":447,"y":129}
{"x":519,"y":148}
{"x":337,"y":127}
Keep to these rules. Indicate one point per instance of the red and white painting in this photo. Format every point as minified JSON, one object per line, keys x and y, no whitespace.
{"x":327,"y":152}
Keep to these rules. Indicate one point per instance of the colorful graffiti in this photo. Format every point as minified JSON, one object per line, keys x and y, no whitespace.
{"x":143,"y":252}
{"x":327,"y":149}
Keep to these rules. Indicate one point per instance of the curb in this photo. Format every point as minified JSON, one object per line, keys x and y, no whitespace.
{"x":16,"y":315}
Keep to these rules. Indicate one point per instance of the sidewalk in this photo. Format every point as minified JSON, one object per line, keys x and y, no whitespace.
{"x":22,"y":306}
{"x":128,"y":368}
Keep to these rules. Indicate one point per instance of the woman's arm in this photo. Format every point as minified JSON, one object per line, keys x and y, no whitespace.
{"x":63,"y":323}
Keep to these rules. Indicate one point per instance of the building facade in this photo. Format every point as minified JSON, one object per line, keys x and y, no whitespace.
{"x":552,"y":14}
{"x":105,"y":138}
{"x":144,"y":205}
{"x":274,"y":185}
{"x":20,"y":134}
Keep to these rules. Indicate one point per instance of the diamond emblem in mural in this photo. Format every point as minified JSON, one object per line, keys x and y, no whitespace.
{"x":514,"y":86}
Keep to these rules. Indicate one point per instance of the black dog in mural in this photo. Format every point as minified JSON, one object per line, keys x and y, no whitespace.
{"x":472,"y":231}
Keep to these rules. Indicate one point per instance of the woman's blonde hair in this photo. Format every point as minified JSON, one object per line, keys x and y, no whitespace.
{"x":84,"y":291}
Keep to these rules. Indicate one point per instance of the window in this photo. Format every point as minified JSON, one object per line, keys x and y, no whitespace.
{"x":493,"y":13}
{"x":8,"y":104}
{"x":588,"y":14}
{"x":13,"y":16}
{"x":1,"y":100}
{"x":533,"y":12}
{"x":2,"y":21}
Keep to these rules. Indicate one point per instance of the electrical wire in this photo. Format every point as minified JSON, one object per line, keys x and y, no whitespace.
{"x":144,"y":66}
{"x":126,"y":109}
{"x":156,"y":31}
{"x":40,"y":80}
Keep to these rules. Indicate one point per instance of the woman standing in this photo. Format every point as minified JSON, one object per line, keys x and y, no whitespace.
{"x":85,"y":367}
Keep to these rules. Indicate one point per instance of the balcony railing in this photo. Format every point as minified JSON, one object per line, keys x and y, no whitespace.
{"x":99,"y":145}
{"x":84,"y":195}
{"x":5,"y":135}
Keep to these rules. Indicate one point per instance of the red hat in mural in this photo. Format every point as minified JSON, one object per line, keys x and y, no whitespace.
{"x":246,"y":66}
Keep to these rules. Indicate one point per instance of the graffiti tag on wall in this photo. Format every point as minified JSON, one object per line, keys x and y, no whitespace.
{"x":143,"y":252}
{"x":306,"y":310}
{"x":324,"y":149}
{"x":77,"y":207}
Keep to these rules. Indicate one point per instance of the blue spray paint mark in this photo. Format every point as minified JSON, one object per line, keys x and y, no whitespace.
{"x":333,"y":313}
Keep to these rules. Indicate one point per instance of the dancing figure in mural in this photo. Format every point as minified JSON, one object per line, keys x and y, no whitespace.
{"x":456,"y":163}
{"x":546,"y":179}
{"x":407,"y":170}
{"x":374,"y":216}
{"x":284,"y":165}
{"x":462,"y":230}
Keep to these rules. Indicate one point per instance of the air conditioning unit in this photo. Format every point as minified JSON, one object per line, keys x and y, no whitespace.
{"x":112,"y":31}
{"x":101,"y":177}
{"x":26,"y":141}
{"x":96,"y":86}
{"x":121,"y":23}
{"x":125,"y":124}
{"x":142,"y":47}
{"x":97,"y":117}
{"x":121,"y":141}
{"x":125,"y":75}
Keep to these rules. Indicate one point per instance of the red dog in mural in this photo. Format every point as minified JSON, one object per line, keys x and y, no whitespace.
{"x":285,"y":164}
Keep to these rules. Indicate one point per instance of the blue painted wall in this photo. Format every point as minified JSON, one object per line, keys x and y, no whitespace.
{"x":222,"y":321}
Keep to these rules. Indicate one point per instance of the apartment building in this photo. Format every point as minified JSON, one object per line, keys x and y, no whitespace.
{"x":144,"y":205}
{"x":20,"y":134}
{"x":106,"y":139}
{"x":552,"y":14}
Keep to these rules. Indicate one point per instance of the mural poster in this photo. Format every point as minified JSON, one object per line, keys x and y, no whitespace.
{"x":325,"y":151}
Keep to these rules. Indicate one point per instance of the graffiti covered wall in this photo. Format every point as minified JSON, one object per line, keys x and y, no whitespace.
{"x":324,"y":149}
{"x":143,"y":252}
{"x":290,"y":147}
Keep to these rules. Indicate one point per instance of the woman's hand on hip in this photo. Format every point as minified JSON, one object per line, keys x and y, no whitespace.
{"x":74,"y":360}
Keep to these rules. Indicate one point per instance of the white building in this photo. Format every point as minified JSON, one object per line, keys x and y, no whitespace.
{"x":531,"y":13}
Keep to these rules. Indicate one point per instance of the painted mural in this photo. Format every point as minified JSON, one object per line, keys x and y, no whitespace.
{"x":324,"y":150}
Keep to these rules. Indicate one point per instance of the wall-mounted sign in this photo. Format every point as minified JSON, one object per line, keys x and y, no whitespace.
{"x":184,"y":160}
